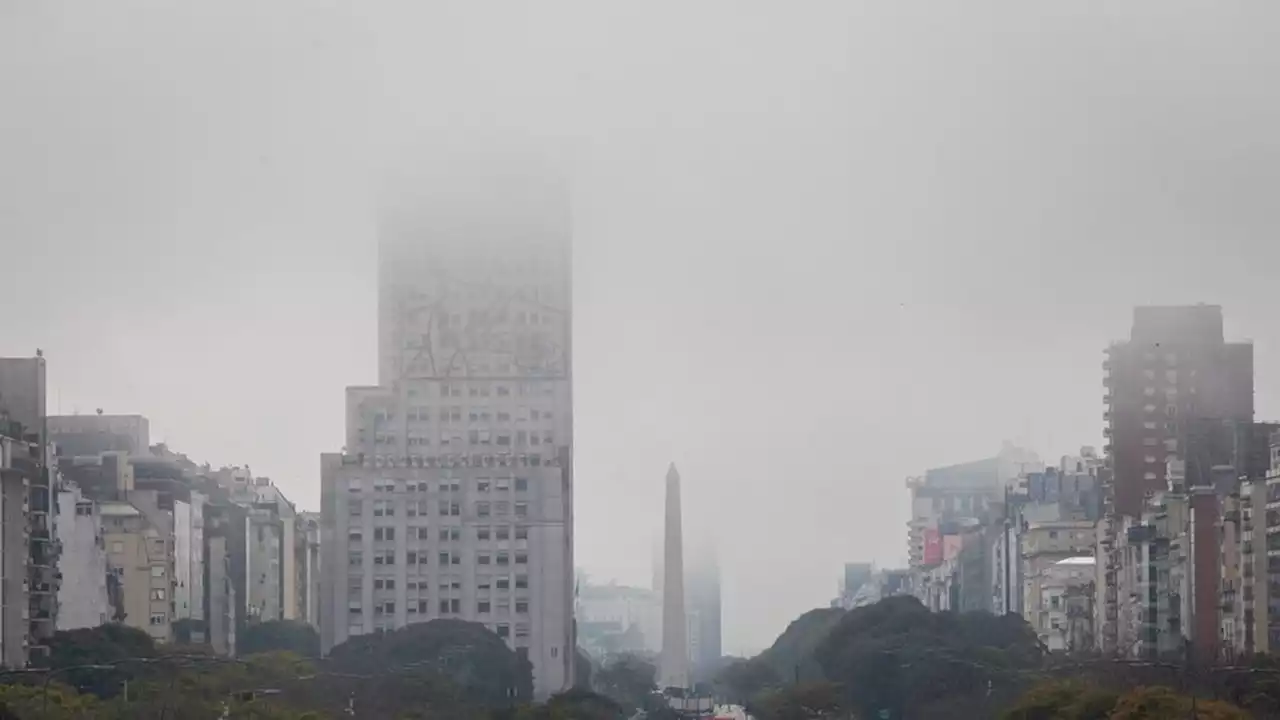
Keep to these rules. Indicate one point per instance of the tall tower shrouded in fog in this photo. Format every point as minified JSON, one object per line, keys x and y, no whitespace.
{"x":673,"y":667}
{"x":464,"y":451}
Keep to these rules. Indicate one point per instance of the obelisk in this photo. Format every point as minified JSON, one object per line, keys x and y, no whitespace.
{"x":673,"y":668}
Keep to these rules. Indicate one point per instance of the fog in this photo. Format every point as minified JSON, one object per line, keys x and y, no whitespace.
{"x":819,"y":246}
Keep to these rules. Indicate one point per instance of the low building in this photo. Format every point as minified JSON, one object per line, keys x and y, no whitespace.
{"x":1063,"y":614}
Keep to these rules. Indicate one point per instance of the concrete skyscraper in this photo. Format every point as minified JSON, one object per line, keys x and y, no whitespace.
{"x":673,"y":670}
{"x":454,"y":498}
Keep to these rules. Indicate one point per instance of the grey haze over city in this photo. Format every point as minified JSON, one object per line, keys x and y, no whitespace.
{"x":818,"y":246}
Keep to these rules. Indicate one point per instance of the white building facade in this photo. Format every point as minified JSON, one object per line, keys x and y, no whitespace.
{"x":83,"y":601}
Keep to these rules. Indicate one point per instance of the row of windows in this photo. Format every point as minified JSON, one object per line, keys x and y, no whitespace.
{"x":355,"y":558}
{"x":421,"y":587}
{"x":455,"y":413}
{"x":447,"y":508}
{"x":477,"y":389}
{"x":458,"y":460}
{"x":484,"y":485}
{"x":447,"y":534}
{"x":447,"y":607}
{"x":473,"y":437}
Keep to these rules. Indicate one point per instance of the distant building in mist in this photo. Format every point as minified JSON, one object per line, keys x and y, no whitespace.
{"x":1174,"y":369}
{"x":702,"y":579}
{"x":963,"y":492}
{"x":614,"y":619}
{"x":90,"y":435}
{"x":454,"y":497}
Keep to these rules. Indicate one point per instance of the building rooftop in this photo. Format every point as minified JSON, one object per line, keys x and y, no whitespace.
{"x":1080,"y":560}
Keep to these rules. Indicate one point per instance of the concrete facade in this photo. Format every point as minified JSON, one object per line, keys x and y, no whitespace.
{"x":28,"y":514}
{"x":138,"y":554}
{"x":89,"y":435}
{"x":83,"y":598}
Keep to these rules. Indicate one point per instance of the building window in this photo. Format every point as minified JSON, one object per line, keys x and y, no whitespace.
{"x":157,"y":571}
{"x":522,"y":558}
{"x":522,"y":509}
{"x":355,"y":558}
{"x":503,"y":583}
{"x":482,"y":559}
{"x":482,"y":533}
{"x":444,"y":558}
{"x":503,"y":559}
{"x":482,"y":509}
{"x":482,"y":607}
{"x":482,"y":485}
{"x":522,"y":607}
{"x":355,"y":485}
{"x":384,"y":534}
{"x":522,"y":532}
{"x":159,"y":618}
{"x":522,"y":484}
{"x":354,"y":507}
{"x":504,"y":630}
{"x":117,"y":546}
{"x":522,"y":582}
{"x":157,"y":594}
{"x":504,"y":532}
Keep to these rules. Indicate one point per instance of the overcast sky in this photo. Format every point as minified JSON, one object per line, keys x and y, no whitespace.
{"x":820,"y":246}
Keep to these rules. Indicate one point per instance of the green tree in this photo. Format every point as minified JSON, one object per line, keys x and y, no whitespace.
{"x":743,"y":680}
{"x":628,"y":679}
{"x":792,"y":655}
{"x":810,"y":701}
{"x":898,"y":656}
{"x":1159,"y":703}
{"x":291,"y":635}
{"x":111,"y":644}
{"x":1063,"y":700}
{"x":468,"y":654}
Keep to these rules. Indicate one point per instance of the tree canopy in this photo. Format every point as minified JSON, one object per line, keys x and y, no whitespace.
{"x":627,"y":679}
{"x":279,"y":635}
{"x":467,"y":653}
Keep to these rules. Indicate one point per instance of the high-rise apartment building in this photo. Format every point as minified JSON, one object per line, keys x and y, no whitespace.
{"x":1179,"y":397}
{"x":454,"y":497}
{"x":1174,"y":373}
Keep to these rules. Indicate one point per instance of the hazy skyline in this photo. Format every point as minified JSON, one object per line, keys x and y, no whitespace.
{"x":819,"y":246}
